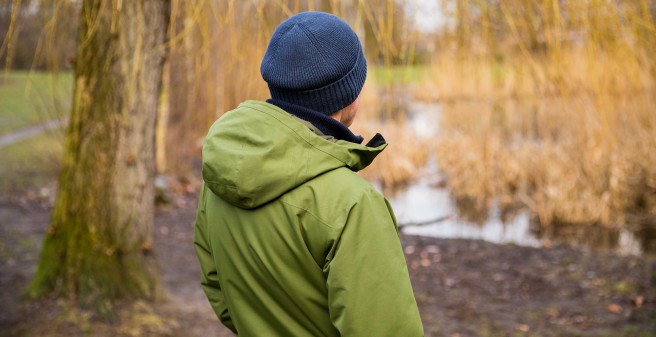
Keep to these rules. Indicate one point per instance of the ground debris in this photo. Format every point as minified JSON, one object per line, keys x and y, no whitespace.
{"x":478,"y":288}
{"x":463,"y":287}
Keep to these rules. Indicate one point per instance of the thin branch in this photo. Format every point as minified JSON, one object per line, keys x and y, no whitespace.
{"x":427,"y":222}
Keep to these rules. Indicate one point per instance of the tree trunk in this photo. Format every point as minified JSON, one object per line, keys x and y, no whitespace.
{"x":98,"y":247}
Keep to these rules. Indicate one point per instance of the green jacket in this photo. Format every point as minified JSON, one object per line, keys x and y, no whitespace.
{"x":291,"y":241}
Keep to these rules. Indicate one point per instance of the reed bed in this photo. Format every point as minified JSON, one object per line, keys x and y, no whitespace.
{"x":402,"y":162}
{"x":407,"y":154}
{"x":220,"y":57}
{"x":580,"y":159}
{"x":549,"y":105}
{"x":577,"y":72}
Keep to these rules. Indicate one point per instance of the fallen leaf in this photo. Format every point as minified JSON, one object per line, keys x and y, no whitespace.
{"x":598,"y":282}
{"x":522,"y":327}
{"x":432,"y":249}
{"x":614,"y":308}
{"x":638,"y":301}
{"x":552,"y":312}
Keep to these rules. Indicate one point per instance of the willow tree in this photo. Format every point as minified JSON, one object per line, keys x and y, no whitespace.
{"x":98,"y":246}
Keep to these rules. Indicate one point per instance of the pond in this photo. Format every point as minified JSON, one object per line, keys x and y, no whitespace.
{"x":428,"y":199}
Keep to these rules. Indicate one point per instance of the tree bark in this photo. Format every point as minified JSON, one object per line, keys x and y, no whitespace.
{"x":98,"y":247}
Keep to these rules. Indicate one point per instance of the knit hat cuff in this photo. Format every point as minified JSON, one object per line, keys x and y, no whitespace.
{"x":330,"y":98}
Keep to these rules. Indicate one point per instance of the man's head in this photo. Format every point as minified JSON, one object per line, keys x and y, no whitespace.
{"x":315,"y":60}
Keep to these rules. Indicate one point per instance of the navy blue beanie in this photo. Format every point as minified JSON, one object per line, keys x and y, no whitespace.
{"x":315,"y":60}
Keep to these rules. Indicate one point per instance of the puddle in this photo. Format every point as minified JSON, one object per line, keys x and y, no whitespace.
{"x":422,"y":202}
{"x":425,"y":201}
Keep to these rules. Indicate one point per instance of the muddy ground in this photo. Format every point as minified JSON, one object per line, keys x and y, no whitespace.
{"x":463,"y":287}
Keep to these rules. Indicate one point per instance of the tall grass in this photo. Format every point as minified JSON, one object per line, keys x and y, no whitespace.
{"x":217,"y":47}
{"x":543,"y":48}
{"x":578,"y":71}
{"x":547,"y":104}
{"x":557,"y":156}
{"x":407,"y":153}
{"x":215,"y":51}
{"x":550,"y":105}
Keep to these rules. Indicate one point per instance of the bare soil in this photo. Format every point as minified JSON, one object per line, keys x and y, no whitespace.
{"x":463,"y":287}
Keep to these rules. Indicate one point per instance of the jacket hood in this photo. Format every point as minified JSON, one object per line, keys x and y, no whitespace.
{"x":257,"y":152}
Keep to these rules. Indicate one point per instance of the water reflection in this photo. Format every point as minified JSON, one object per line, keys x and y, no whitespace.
{"x":622,"y":241}
{"x":428,"y":200}
{"x":424,"y":201}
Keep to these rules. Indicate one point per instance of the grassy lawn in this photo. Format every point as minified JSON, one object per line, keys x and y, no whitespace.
{"x":28,"y":98}
{"x":32,"y":162}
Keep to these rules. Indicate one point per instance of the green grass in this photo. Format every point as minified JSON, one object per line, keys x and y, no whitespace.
{"x":398,"y":74}
{"x":624,"y":287}
{"x":28,"y":98}
{"x":633,"y":331}
{"x":32,"y":162}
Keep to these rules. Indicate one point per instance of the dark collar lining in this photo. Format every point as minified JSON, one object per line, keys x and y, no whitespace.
{"x":325,"y":124}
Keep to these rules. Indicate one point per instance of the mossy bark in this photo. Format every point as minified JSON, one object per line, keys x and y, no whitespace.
{"x":98,"y":246}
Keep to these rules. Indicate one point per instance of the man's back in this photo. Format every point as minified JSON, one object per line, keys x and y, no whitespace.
{"x":291,"y":242}
{"x":320,"y":258}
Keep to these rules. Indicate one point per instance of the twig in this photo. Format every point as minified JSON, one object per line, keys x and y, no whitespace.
{"x":424,"y":223}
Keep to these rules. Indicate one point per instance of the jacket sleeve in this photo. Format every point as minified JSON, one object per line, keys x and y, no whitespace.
{"x":209,"y":278}
{"x":369,"y":290}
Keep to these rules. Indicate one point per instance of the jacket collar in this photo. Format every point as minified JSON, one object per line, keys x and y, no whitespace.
{"x":327,"y":125}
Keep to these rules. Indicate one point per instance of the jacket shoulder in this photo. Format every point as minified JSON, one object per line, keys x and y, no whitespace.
{"x":330,"y":196}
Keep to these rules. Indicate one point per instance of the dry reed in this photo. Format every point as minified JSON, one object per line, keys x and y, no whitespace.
{"x":241,"y":31}
{"x":407,"y":153}
{"x":568,"y":160}
{"x":550,"y":105}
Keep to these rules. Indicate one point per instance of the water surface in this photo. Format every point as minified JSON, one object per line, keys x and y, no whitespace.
{"x":427,"y":200}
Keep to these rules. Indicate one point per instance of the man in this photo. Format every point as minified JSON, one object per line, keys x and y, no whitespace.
{"x":291,"y":241}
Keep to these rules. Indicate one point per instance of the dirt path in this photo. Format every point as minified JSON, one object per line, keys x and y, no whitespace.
{"x":31,"y":131}
{"x":463,"y":287}
{"x":181,"y":273}
{"x":186,"y":311}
